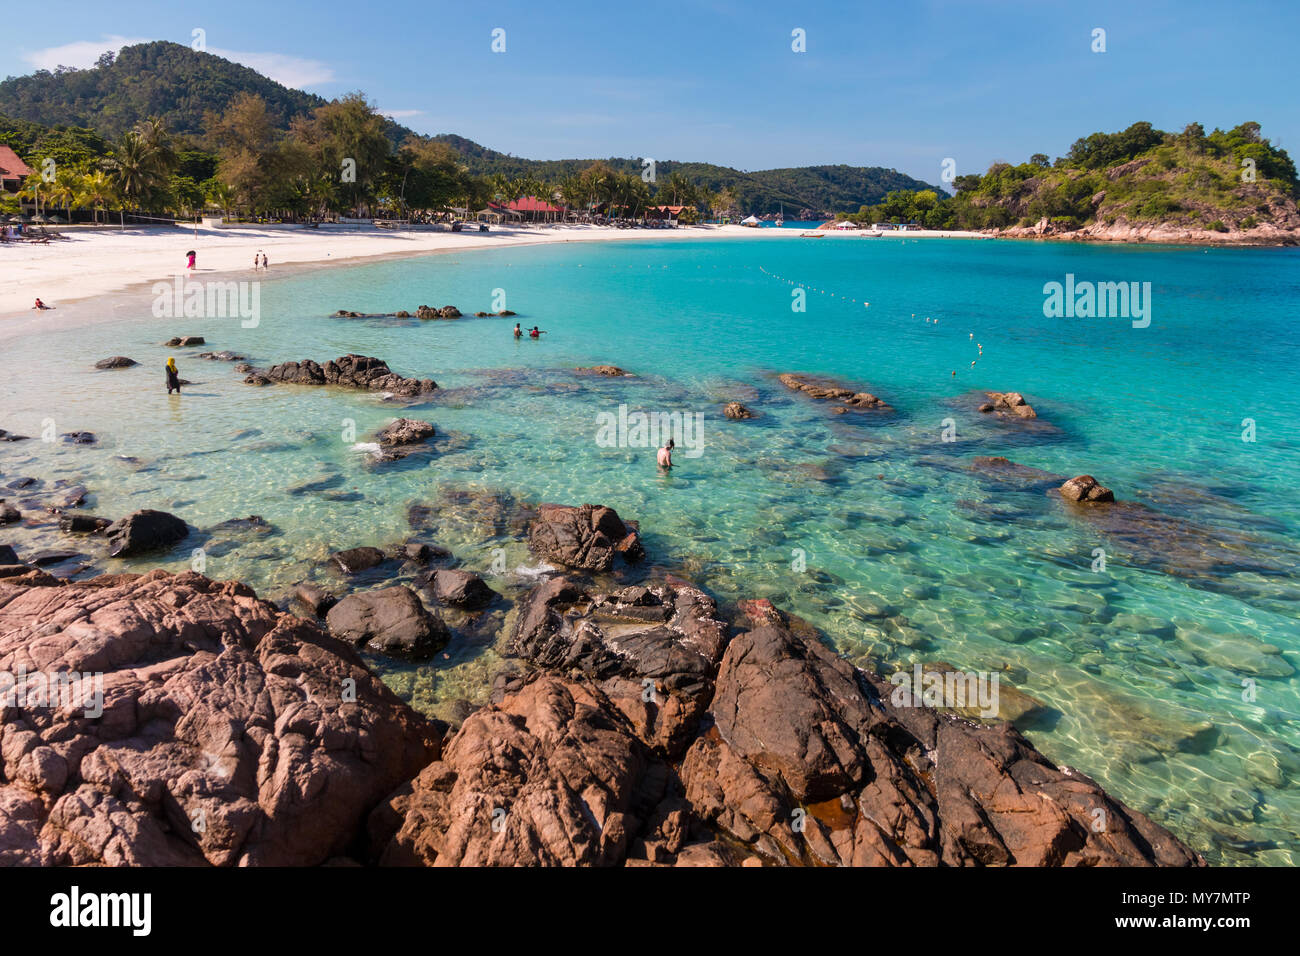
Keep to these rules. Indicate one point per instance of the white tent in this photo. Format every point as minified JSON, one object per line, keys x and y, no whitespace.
{"x":749,"y":221}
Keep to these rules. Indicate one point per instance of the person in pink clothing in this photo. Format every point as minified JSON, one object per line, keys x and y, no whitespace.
{"x":189,"y":260}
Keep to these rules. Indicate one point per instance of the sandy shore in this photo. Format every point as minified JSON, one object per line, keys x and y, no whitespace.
{"x":98,"y":263}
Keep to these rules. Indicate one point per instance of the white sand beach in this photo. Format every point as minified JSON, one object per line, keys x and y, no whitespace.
{"x":108,"y":260}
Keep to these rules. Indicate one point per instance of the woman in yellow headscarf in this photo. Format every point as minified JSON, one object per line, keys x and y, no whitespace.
{"x":173,"y":377}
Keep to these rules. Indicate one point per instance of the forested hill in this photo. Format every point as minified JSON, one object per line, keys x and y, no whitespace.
{"x":182,"y":86}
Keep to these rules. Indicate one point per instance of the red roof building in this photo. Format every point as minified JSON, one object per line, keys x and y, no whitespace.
{"x":534,"y":209}
{"x":12,"y":170}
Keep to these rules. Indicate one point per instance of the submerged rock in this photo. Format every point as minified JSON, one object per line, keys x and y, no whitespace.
{"x":117,"y":361}
{"x":82,"y":524}
{"x":79,"y":438}
{"x":737,"y":411}
{"x":215,"y":707}
{"x":185,"y":341}
{"x":143,"y":532}
{"x":221,"y":356}
{"x":825,"y":390}
{"x":610,"y":371}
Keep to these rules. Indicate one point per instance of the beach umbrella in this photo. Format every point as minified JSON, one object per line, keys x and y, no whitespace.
{"x":38,"y":218}
{"x":55,"y":220}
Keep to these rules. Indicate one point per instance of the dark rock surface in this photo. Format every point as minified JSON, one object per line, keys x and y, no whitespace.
{"x":587,"y":537}
{"x":463,"y":589}
{"x":117,"y":361}
{"x":348,"y":371}
{"x":389,"y":621}
{"x":143,"y":532}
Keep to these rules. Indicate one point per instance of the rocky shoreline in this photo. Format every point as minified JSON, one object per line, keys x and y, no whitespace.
{"x":630,"y":725}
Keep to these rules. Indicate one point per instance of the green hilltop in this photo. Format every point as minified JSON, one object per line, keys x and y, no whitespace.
{"x":1223,"y":182}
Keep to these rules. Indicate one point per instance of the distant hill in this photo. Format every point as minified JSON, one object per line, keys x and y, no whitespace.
{"x":180,"y":85}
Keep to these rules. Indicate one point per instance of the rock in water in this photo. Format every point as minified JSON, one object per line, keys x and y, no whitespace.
{"x":1085,"y":488}
{"x":737,"y":411}
{"x":1008,"y":403}
{"x":825,"y":390}
{"x":117,"y":361}
{"x":609,"y":371}
{"x":587,"y":537}
{"x":143,"y":532}
{"x":356,"y":560}
{"x":405,"y":431}
{"x":391,"y":621}
{"x":215,"y":706}
{"x":348,"y":371}
{"x":462,"y":589}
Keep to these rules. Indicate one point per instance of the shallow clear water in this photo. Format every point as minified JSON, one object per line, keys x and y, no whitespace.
{"x":910,"y":555}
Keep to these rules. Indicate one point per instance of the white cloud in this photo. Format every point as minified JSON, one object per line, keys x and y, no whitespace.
{"x":81,"y":54}
{"x":295,"y":71}
{"x":400,"y":114}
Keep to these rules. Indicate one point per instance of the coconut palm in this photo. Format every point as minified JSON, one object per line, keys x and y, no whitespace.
{"x":134,"y":169}
{"x":96,"y":191}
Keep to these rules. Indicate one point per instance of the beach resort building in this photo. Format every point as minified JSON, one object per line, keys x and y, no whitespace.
{"x":12,"y":170}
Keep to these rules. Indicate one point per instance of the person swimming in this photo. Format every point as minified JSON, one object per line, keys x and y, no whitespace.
{"x":536,"y":333}
{"x":666,"y":454}
{"x":518,"y":331}
{"x":173,"y":377}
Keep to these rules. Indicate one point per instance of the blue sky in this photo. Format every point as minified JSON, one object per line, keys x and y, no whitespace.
{"x":896,"y":84}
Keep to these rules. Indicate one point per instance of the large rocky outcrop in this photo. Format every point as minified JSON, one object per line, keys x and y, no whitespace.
{"x":812,"y":762}
{"x":652,"y":651}
{"x":800,"y":758}
{"x":349,"y":371}
{"x":230,"y":734}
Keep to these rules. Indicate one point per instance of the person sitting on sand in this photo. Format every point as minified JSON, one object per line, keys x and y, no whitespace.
{"x":536,"y":333}
{"x":666,"y":455}
{"x":41,"y":305}
{"x":518,"y":331}
{"x":173,"y":377}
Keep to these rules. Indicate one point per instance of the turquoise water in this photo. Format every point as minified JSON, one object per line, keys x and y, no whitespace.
{"x":905,"y":553}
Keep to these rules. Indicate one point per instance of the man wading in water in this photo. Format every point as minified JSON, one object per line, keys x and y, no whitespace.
{"x":666,"y":455}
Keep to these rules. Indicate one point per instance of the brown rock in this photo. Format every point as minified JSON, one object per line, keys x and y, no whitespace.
{"x":1085,"y":488}
{"x":587,"y":537}
{"x":390,"y":621}
{"x":230,"y":734}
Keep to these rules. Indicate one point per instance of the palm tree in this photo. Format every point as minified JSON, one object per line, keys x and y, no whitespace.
{"x":96,"y":191}
{"x":134,"y":169}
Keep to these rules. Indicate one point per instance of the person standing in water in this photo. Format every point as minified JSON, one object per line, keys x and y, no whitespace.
{"x":173,"y":377}
{"x":264,"y":265}
{"x":666,"y":454}
{"x":255,"y":259}
{"x":518,"y":331}
{"x":536,"y":333}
